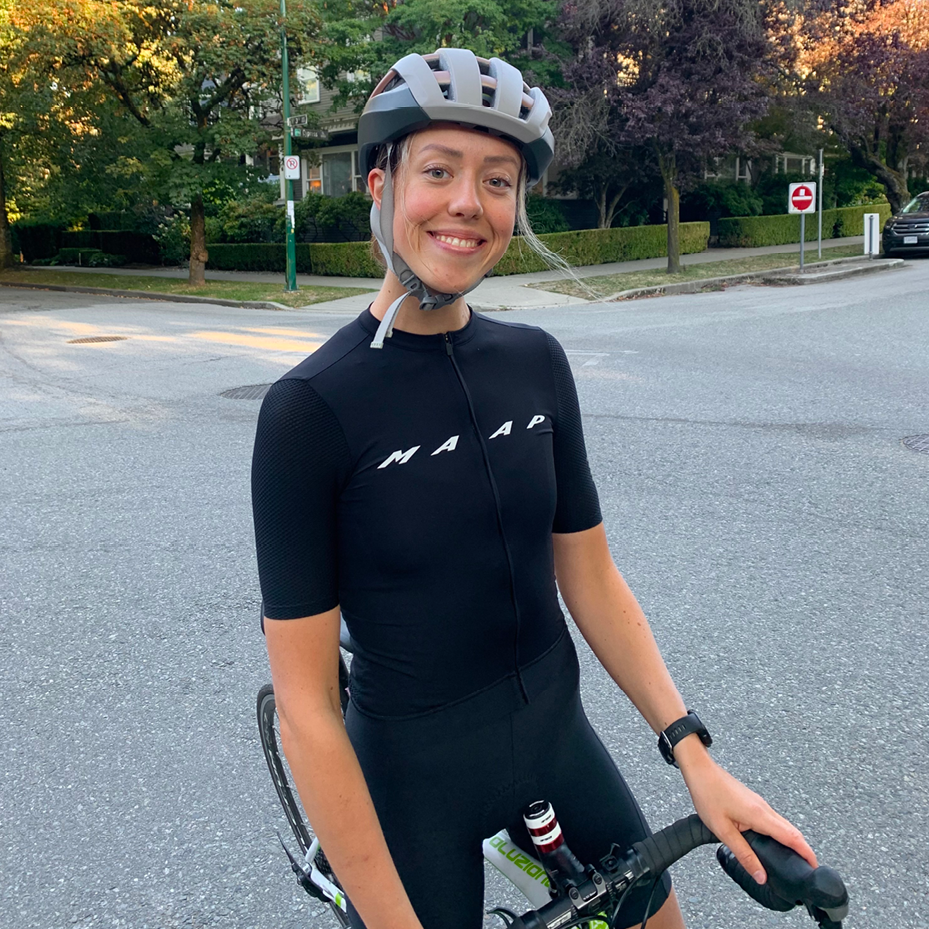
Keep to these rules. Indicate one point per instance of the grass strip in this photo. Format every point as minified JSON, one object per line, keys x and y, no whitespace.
{"x":608,"y":284}
{"x":225,"y":290}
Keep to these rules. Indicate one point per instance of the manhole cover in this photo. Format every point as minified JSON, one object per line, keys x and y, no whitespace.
{"x":97,"y":338}
{"x":253,"y":392}
{"x":917,"y":443}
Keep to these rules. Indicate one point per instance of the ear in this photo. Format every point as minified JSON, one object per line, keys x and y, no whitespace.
{"x":376,"y":185}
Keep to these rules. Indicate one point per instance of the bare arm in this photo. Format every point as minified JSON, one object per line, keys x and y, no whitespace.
{"x":612,"y":622}
{"x":304,"y":667}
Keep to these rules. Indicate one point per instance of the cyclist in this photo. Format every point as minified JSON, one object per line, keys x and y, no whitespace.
{"x":429,"y":482}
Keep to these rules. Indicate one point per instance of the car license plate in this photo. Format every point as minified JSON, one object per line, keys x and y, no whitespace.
{"x":910,"y":239}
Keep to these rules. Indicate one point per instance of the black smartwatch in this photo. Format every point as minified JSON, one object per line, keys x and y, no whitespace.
{"x":677,"y":731}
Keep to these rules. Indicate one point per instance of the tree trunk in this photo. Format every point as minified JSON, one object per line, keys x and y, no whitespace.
{"x":6,"y":240}
{"x":198,"y":252}
{"x":893,"y":181}
{"x":673,"y":196}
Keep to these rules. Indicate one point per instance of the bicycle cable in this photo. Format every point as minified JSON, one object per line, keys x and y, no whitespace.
{"x":651,"y":896}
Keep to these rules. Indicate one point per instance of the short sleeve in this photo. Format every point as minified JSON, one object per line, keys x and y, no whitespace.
{"x":299,"y":465}
{"x":578,"y":506}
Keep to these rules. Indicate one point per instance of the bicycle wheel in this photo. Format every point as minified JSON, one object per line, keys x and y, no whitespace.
{"x":269,"y":729}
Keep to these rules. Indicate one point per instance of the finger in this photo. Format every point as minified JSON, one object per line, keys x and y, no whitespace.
{"x":743,"y":853}
{"x":788,"y":834}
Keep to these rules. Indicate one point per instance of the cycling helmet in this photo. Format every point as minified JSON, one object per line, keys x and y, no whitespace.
{"x":451,"y":85}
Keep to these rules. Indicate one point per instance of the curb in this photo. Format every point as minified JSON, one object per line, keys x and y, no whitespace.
{"x":152,"y":295}
{"x":787,"y":275}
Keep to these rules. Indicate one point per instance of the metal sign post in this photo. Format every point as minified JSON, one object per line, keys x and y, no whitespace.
{"x":820,"y":209}
{"x":291,"y":279}
{"x":801,"y":198}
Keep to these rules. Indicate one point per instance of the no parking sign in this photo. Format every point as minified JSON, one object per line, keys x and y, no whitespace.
{"x":292,"y":167}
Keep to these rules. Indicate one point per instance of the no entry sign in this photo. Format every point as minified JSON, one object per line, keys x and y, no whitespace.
{"x":801,"y":198}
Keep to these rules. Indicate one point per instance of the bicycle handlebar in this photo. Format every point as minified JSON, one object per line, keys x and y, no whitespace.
{"x":791,"y":880}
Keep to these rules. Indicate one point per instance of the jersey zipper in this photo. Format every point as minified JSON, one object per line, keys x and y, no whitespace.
{"x":449,"y":350}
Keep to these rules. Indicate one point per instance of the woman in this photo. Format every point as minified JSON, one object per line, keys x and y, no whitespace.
{"x":430,"y":492}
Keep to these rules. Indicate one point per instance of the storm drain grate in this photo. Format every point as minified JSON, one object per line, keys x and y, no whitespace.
{"x":97,"y":338}
{"x":252,"y":392}
{"x":917,"y":443}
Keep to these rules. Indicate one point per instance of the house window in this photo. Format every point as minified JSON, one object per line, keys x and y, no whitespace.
{"x":308,"y":84}
{"x":314,"y":179}
{"x":337,"y":173}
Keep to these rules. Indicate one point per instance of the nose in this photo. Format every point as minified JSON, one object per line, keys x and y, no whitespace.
{"x":465,"y":199}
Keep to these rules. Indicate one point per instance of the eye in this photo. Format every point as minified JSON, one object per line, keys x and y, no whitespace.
{"x":501,"y":183}
{"x":436,"y":173}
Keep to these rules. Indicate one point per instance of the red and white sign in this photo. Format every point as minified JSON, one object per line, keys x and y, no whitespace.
{"x":802,"y":198}
{"x":292,"y":167}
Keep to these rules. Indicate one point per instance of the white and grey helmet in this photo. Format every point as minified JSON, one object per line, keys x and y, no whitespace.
{"x":451,"y":85}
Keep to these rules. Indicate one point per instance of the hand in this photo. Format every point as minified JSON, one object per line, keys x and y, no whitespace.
{"x":727,"y":808}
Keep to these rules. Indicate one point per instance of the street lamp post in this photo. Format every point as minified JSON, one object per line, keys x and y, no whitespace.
{"x":291,"y":284}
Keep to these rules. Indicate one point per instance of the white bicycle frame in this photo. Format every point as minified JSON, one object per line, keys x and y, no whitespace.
{"x":523,"y":871}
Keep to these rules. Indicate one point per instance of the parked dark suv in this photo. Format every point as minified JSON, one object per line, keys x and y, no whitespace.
{"x":908,"y":230}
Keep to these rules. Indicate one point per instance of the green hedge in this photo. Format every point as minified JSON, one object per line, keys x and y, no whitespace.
{"x":256,"y":256}
{"x":601,"y":246}
{"x":345,"y":259}
{"x":136,"y":246}
{"x":39,"y":239}
{"x":356,"y":259}
{"x":754,"y":231}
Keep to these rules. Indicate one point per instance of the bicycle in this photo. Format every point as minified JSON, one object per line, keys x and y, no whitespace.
{"x":563,"y":892}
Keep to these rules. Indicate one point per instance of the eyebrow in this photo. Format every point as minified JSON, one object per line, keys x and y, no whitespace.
{"x":454,"y":153}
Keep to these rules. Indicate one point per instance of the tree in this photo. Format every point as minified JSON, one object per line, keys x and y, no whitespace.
{"x":679,"y":81}
{"x":193,"y":73}
{"x":365,"y":39}
{"x":867,"y":73}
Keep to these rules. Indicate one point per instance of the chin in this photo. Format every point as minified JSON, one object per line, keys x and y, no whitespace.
{"x":447,"y":281}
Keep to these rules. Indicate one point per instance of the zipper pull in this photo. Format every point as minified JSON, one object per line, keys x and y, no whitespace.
{"x":448,"y":345}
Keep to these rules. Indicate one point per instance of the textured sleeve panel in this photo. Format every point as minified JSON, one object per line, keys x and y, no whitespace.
{"x":578,"y":505}
{"x":300,"y":463}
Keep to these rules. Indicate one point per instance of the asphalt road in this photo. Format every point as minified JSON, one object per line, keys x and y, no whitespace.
{"x":747,"y":447}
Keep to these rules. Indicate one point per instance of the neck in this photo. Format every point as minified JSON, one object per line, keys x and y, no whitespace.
{"x":411,"y":318}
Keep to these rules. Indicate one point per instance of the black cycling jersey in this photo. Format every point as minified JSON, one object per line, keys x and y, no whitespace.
{"x":417,"y":488}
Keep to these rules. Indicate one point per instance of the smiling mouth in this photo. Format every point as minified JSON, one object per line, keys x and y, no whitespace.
{"x":455,"y":241}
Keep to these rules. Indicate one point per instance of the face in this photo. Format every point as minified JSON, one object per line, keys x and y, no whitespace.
{"x":455,"y":204}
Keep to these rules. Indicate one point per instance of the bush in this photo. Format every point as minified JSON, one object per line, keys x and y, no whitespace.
{"x":173,"y":240}
{"x":39,"y":239}
{"x":755,"y":231}
{"x":256,"y":256}
{"x":252,"y":220}
{"x":106,"y":260}
{"x":546,"y":215}
{"x":714,"y":199}
{"x":76,"y":255}
{"x":319,"y":218}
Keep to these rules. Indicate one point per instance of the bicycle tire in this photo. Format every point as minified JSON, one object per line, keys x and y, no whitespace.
{"x":269,"y":730}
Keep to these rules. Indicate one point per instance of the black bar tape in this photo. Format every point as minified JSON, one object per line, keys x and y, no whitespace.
{"x":662,"y":849}
{"x":762,"y":893}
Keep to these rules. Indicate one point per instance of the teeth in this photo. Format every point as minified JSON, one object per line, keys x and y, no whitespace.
{"x":460,"y":243}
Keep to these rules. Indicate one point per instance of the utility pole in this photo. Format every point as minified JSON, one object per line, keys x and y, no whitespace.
{"x":291,"y":284}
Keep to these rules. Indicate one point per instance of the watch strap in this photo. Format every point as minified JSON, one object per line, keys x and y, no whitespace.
{"x":679,"y":729}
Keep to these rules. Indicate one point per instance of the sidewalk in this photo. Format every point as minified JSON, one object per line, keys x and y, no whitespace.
{"x":494,"y":293}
